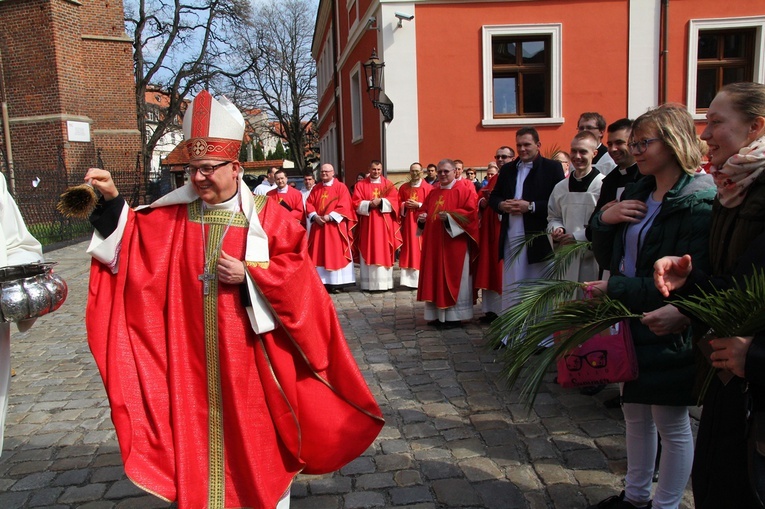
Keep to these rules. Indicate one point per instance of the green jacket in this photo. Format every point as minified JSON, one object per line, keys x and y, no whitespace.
{"x":666,"y":363}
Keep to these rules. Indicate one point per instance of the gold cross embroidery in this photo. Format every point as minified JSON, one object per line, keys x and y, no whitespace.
{"x":414,"y":196}
{"x":439,"y":205}
{"x":376,"y":193}
{"x":324,"y":197}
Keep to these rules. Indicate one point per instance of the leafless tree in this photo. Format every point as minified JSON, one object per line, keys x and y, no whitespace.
{"x":282,"y":79}
{"x":180,"y":46}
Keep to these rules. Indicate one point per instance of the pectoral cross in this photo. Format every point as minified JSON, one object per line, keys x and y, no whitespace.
{"x":206,"y":278}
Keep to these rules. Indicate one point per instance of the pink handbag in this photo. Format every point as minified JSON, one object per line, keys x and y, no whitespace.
{"x":605,"y":358}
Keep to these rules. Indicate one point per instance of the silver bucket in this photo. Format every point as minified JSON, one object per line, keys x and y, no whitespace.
{"x":29,"y":291}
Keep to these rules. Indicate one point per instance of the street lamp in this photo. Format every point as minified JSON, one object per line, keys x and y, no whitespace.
{"x":373,"y":72}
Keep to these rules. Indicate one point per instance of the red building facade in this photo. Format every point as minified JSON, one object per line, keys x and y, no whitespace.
{"x":465,"y":75}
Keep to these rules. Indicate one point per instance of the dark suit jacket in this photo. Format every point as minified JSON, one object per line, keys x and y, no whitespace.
{"x":537,"y":187}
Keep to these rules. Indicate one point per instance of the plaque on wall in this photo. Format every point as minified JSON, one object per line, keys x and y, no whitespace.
{"x":78,"y":131}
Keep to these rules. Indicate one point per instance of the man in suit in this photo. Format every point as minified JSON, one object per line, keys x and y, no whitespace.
{"x":521,"y":194}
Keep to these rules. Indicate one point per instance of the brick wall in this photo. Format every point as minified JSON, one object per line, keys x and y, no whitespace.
{"x":68,"y":60}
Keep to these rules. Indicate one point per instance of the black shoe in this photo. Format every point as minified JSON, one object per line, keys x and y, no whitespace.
{"x":617,"y":502}
{"x":435,"y":323}
{"x":452,"y":324}
{"x":614,"y":402}
{"x":591,"y":390}
{"x":488,"y":317}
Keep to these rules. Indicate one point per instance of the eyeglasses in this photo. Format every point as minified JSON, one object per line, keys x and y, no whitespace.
{"x":470,"y":173}
{"x":594,"y":359}
{"x":502,"y":156}
{"x":587,"y":128}
{"x":206,"y":170}
{"x":642,"y":145}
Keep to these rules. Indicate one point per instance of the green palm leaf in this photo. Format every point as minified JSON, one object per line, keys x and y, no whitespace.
{"x":562,"y":257}
{"x":545,"y":310}
{"x":536,"y":297}
{"x":573,"y":323}
{"x":518,"y":243}
{"x":738,"y":311}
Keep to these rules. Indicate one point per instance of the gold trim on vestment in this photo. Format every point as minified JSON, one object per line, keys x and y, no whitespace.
{"x":218,"y":221}
{"x":215,"y":216}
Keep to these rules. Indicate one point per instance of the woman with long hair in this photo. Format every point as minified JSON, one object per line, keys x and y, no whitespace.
{"x":727,"y":470}
{"x":665,"y":213}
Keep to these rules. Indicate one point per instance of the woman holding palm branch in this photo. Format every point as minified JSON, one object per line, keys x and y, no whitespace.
{"x":665,"y":213}
{"x":726,"y":469}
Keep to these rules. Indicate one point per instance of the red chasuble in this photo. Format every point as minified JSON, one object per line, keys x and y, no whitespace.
{"x":207,"y":412}
{"x":292,"y":199}
{"x":329,"y":246}
{"x":440,"y":276}
{"x":489,"y":270}
{"x":378,"y":235}
{"x":410,"y":255}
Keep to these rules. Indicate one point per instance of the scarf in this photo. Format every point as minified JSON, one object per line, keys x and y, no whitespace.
{"x":738,"y":173}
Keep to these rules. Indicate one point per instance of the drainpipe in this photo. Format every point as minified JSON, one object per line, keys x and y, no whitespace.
{"x":664,"y":49}
{"x":7,"y":129}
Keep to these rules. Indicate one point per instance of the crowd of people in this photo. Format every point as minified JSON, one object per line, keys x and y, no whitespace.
{"x":225,"y":384}
{"x":642,"y":193}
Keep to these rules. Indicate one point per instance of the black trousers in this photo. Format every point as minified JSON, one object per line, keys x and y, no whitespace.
{"x":721,"y":476}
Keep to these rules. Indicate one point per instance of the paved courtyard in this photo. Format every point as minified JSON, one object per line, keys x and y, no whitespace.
{"x":455,"y":436}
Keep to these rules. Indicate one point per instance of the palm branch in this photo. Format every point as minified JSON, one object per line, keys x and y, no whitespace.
{"x":536,"y":297}
{"x":737,"y":311}
{"x":562,"y":257}
{"x":572,"y":323}
{"x":519,"y":243}
{"x":461,"y":219}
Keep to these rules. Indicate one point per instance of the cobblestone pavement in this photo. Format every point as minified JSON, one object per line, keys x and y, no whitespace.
{"x":454,"y":435}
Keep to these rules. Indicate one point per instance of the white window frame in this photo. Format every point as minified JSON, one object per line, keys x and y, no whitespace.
{"x":355,"y":88}
{"x":697,"y":25}
{"x":324,"y":68}
{"x":349,"y":4}
{"x":552,"y":30}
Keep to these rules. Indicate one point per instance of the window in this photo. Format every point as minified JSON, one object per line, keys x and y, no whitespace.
{"x":356,"y":91}
{"x":324,"y":67}
{"x":722,"y":51}
{"x":519,"y":71}
{"x":353,"y":14}
{"x":522,"y":78}
{"x":724,"y":56}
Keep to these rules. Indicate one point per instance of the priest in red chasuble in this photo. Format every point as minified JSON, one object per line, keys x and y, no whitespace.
{"x":450,"y":231}
{"x":330,"y":212}
{"x":223,"y":383}
{"x":411,"y":196}
{"x":378,"y":232}
{"x":288,"y":197}
{"x":489,"y":269}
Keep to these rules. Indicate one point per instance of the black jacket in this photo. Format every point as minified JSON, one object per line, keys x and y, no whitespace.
{"x":537,"y":187}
